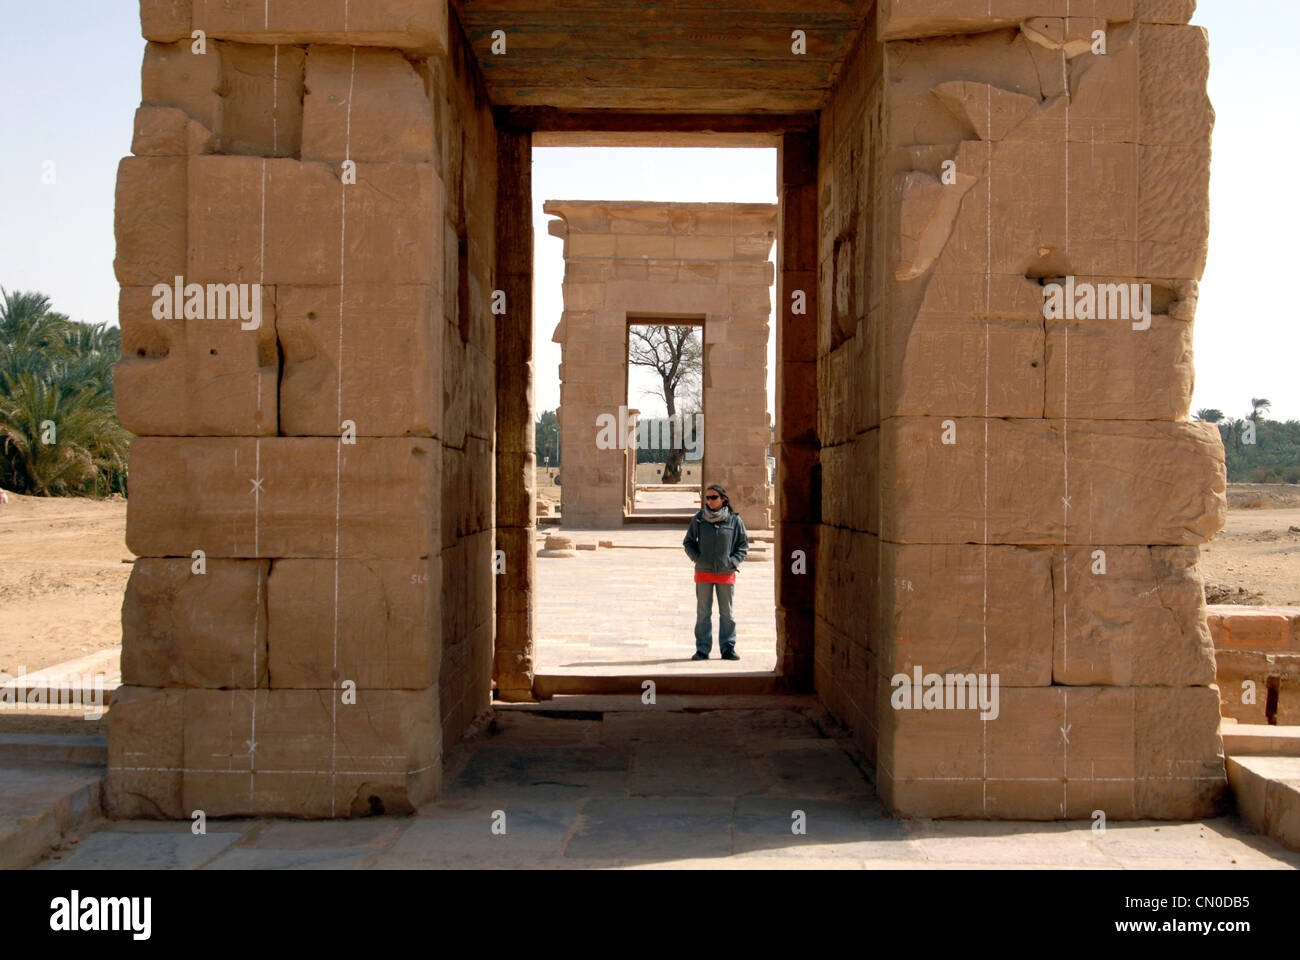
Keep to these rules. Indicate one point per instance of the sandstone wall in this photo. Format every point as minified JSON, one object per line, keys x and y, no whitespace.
{"x":310,"y":616}
{"x":1034,"y":490}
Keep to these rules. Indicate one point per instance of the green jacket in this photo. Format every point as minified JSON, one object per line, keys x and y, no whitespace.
{"x":717,"y":547}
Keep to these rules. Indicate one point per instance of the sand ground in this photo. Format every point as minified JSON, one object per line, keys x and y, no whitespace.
{"x":62,"y":572}
{"x":62,"y":577}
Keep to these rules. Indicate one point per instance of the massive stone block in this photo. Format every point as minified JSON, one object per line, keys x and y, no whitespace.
{"x":376,"y":623}
{"x":386,"y":23}
{"x":1130,"y":616}
{"x":317,"y":497}
{"x":283,"y":221}
{"x":964,"y":608}
{"x":196,"y":377}
{"x":899,"y":19}
{"x":195,"y":623}
{"x":936,"y":490}
{"x":175,"y":76}
{"x":307,"y":753}
{"x":146,"y":753}
{"x":169,"y":132}
{"x":262,"y":99}
{"x":365,"y":105}
{"x":1057,"y":753}
{"x":150,"y":222}
{"x":390,"y":339}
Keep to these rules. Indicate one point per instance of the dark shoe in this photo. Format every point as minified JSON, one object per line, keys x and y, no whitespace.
{"x":731,"y":655}
{"x":700,"y":656}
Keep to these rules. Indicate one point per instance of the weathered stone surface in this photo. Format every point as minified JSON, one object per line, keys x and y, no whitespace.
{"x":375,"y":499}
{"x":1175,"y":66}
{"x":376,"y":623}
{"x":262,"y":99}
{"x":850,"y":483}
{"x":385,"y":23}
{"x":936,"y":492}
{"x":1130,"y":616}
{"x":314,"y":757}
{"x":174,"y":75}
{"x":150,"y":223}
{"x":1245,"y":677}
{"x":1268,"y":629}
{"x":391,"y":343}
{"x":900,"y":19}
{"x":169,"y":132}
{"x":974,"y":347}
{"x":196,"y":377}
{"x":964,"y":608}
{"x":1174,"y":217}
{"x":182,"y":628}
{"x":282,"y":221}
{"x":1137,"y":752}
{"x":146,"y":747}
{"x":165,"y":20}
{"x":1164,"y":11}
{"x":1104,"y":369}
{"x":367,"y":106}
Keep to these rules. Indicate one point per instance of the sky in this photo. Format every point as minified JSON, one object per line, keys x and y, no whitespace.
{"x":70,"y":77}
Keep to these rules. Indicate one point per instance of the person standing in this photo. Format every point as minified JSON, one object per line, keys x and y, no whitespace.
{"x":717,"y":542}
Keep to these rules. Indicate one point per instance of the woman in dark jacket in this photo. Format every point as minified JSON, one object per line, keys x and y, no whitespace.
{"x":717,"y":542}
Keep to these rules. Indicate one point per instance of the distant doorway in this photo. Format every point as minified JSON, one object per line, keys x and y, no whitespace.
{"x":664,"y":469}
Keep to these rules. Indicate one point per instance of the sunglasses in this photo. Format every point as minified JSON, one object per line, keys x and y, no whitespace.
{"x":713,"y":496}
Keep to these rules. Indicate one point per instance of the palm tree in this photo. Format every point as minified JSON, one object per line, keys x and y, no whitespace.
{"x":59,"y":432}
{"x":1257,"y":408}
{"x":1209,"y":414}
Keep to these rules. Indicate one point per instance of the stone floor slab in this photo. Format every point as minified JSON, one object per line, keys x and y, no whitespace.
{"x":179,"y":849}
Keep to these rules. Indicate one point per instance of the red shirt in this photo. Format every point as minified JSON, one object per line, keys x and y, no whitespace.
{"x":702,"y":577}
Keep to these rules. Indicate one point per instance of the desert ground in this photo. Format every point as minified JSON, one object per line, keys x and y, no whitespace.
{"x":64,"y":565}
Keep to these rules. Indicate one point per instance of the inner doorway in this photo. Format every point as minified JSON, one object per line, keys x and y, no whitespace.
{"x":621,"y":607}
{"x":665,"y":400}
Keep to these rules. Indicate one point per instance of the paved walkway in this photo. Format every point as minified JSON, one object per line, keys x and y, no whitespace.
{"x":631,"y":608}
{"x":609,"y":782}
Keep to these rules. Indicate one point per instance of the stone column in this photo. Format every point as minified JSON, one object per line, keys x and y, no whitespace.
{"x":516,"y":517}
{"x":798,"y":491}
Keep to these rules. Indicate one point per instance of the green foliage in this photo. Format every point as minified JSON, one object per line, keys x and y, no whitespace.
{"x":1274,"y":457}
{"x":59,"y":432}
{"x":1209,"y":414}
{"x":546,"y":435}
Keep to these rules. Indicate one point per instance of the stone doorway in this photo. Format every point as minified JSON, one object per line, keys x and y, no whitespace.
{"x":939,"y":165}
{"x":652,"y":498}
{"x":629,"y":265}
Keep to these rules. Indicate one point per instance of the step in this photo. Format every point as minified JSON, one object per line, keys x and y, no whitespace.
{"x":40,"y":803}
{"x":546,"y":686}
{"x":1260,"y":740}
{"x":1267,"y":792}
{"x":88,"y":750}
{"x":621,"y":703}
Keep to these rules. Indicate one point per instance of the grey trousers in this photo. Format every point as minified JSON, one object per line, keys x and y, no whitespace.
{"x":704,"y":617}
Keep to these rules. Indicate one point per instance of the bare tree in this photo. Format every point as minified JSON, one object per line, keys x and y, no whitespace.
{"x":676,"y":354}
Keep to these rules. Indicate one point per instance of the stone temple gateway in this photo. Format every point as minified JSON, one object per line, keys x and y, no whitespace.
{"x":696,"y":262}
{"x":968,"y":484}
